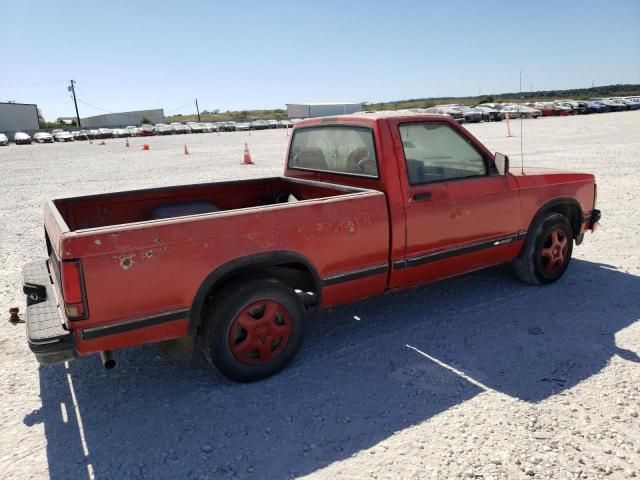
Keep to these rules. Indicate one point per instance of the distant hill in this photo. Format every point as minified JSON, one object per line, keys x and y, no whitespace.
{"x":621,"y":90}
{"x":541,"y":95}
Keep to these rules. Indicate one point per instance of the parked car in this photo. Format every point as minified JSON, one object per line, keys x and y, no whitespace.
{"x":42,"y":137}
{"x":196,"y":127}
{"x":63,"y":136}
{"x":549,"y":109}
{"x":595,"y":107}
{"x":229,"y":126}
{"x":577,"y":108}
{"x":147,"y":130}
{"x":133,"y":130}
{"x":4,"y":140}
{"x":93,"y":133}
{"x":635,"y":101}
{"x":626,"y":102}
{"x":241,"y":126}
{"x":179,"y":128}
{"x":120,"y":133}
{"x":163,"y":129}
{"x":80,"y":135}
{"x":490,"y":114}
{"x":21,"y":138}
{"x":239,"y":275}
{"x":520,"y":111}
{"x":259,"y":125}
{"x":610,"y":106}
{"x":105,"y":133}
{"x":454,"y":113}
{"x":471,"y":115}
{"x":286,"y":123}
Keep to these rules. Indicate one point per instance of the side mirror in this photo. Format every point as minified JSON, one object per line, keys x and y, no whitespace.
{"x":502,"y":163}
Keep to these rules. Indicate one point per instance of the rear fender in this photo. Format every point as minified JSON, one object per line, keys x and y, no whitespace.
{"x":265,"y":263}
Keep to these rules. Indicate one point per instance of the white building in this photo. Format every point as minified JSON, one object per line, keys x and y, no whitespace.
{"x":306,"y":110}
{"x":18,"y":117}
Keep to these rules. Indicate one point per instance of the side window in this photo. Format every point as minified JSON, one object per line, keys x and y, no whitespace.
{"x":435,"y":152}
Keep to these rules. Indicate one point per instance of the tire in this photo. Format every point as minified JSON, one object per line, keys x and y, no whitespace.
{"x":547,"y":251}
{"x":253,"y":329}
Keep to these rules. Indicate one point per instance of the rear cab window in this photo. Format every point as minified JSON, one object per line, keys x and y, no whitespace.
{"x":435,"y":152}
{"x":342,"y":149}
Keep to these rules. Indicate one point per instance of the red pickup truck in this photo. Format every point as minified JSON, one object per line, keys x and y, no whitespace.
{"x":367,"y":204}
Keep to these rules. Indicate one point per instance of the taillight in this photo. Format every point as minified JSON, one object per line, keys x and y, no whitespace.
{"x":75,"y":303}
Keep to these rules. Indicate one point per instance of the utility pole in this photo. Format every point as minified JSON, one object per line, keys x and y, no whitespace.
{"x":198,"y":110}
{"x":73,"y":92}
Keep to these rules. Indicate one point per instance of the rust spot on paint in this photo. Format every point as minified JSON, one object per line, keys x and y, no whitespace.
{"x":149,"y":254}
{"x":126,"y":261}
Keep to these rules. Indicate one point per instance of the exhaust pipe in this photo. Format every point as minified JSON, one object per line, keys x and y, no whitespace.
{"x":107,"y":359}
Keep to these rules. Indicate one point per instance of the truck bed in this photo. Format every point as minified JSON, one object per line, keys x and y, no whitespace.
{"x":132,"y":261}
{"x":143,"y":205}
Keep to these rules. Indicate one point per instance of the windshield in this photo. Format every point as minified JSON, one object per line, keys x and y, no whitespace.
{"x":339,"y":149}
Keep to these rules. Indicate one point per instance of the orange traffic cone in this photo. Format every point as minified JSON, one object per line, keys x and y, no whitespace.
{"x":186,"y":151}
{"x":247,"y":156}
{"x":126,"y":143}
{"x":145,"y":147}
{"x":102,"y":143}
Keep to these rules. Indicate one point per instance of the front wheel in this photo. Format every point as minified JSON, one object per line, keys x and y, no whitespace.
{"x":547,"y":251}
{"x":253,"y":329}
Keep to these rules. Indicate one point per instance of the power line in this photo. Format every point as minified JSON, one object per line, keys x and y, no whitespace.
{"x":92,"y":106}
{"x":180,"y":108}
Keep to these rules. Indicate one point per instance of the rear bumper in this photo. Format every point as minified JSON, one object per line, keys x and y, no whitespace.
{"x":47,"y":336}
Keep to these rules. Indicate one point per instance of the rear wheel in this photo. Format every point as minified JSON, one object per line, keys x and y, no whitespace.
{"x":547,"y":251}
{"x":253,"y":329}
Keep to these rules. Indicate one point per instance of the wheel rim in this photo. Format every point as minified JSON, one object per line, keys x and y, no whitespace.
{"x":260,"y":332}
{"x":553,"y":255}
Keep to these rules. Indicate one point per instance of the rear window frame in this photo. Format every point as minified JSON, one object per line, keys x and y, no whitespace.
{"x":335,"y":172}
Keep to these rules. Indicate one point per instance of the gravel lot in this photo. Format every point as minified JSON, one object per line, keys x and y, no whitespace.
{"x":474,"y":377}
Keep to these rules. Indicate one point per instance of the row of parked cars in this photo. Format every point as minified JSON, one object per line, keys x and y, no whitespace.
{"x":485,"y":112}
{"x":492,"y":112}
{"x":145,"y":130}
{"x":206,"y":127}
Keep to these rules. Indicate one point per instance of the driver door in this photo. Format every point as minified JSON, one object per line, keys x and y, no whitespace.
{"x":460,"y":214}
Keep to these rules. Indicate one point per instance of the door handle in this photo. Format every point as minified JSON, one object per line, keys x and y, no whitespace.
{"x":422,"y":197}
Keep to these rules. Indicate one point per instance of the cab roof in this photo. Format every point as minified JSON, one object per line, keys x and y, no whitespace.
{"x":371,"y":117}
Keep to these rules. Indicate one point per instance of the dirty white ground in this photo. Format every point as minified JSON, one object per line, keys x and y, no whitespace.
{"x":439,"y":382}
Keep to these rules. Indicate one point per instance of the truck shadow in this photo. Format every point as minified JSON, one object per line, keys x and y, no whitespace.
{"x":355,"y":383}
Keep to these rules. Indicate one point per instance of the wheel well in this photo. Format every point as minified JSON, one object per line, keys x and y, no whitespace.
{"x":296,"y":274}
{"x":569,"y":208}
